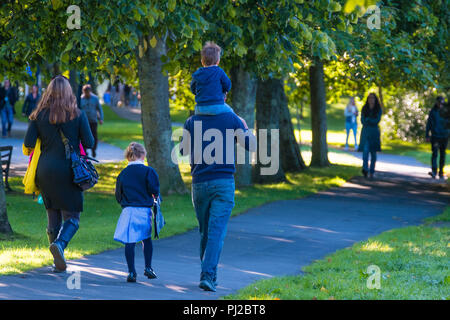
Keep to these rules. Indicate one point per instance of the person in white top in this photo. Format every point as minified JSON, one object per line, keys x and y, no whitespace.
{"x":351,"y":113}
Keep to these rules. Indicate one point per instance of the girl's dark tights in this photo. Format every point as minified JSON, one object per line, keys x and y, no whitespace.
{"x":147,"y":247}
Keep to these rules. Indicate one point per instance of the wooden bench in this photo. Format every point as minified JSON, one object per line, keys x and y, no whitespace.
{"x":6,"y":153}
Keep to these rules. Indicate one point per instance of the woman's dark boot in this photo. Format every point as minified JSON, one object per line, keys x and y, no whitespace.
{"x":67,"y":232}
{"x":52,"y":235}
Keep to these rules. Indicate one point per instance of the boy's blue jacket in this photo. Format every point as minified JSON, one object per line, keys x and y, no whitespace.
{"x":209,"y":84}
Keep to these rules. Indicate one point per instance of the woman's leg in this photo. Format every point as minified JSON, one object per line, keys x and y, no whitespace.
{"x":129,"y":255}
{"x":68,"y":230}
{"x":373,"y":160}
{"x":347,"y":129}
{"x":366,"y":158}
{"x":147,"y":246}
{"x":355,"y":129}
{"x":53,"y":224}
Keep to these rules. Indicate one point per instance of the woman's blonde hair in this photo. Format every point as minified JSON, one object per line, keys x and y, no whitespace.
{"x":59,"y":99}
{"x":134,"y":151}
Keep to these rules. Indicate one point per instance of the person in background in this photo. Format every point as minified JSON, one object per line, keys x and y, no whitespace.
{"x":91,"y":105}
{"x":8,"y":98}
{"x":107,"y":95}
{"x":437,"y":125}
{"x":369,"y":141}
{"x":31,"y":101}
{"x":136,"y":188}
{"x":351,"y":114}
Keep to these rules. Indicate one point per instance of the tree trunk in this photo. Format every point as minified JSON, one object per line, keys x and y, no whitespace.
{"x":5,"y":227}
{"x":291,"y":158}
{"x":243,"y":103}
{"x":318,"y":115}
{"x":156,"y":124}
{"x":74,"y":83}
{"x":268,"y":117}
{"x":380,"y":94}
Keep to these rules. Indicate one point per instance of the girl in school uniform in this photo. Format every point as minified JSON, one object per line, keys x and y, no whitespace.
{"x":136,"y":188}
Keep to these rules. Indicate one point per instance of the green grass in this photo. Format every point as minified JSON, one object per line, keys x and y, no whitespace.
{"x":413,"y":262}
{"x":28,"y":248}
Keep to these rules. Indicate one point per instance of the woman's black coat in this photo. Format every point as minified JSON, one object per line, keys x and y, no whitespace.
{"x":54,"y":173}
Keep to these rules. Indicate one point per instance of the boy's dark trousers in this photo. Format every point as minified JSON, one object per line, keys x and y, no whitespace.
{"x":438,"y":145}
{"x":94,"y":126}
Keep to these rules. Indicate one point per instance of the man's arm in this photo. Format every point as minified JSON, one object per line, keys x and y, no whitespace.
{"x":100,"y":110}
{"x":25,"y":105}
{"x":429,"y":125}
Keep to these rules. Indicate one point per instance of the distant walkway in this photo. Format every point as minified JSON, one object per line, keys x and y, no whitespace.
{"x":134,"y":114}
{"x":275,"y":239}
{"x":105,"y":152}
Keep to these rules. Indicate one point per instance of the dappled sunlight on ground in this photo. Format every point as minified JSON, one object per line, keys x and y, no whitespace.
{"x":376,"y":246}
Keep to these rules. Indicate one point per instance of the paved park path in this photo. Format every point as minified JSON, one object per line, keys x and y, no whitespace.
{"x":272,"y":240}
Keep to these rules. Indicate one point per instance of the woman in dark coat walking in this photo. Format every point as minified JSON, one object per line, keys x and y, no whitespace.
{"x":62,"y":198}
{"x":369,"y":141}
{"x":31,"y":101}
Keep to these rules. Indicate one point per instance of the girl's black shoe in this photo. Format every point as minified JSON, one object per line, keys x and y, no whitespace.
{"x":149,"y":273}
{"x":131,"y":277}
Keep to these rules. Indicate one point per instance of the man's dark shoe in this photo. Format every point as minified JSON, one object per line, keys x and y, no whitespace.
{"x":132,"y":277}
{"x":432,"y":174}
{"x":371,"y":176}
{"x":364,"y":172}
{"x":207,"y":285}
{"x":149,"y":273}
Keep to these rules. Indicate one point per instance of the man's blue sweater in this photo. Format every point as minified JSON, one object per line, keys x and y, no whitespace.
{"x":209,"y":84}
{"x":203,"y":171}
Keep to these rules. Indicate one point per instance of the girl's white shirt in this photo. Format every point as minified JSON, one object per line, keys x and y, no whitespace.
{"x":136,"y":162}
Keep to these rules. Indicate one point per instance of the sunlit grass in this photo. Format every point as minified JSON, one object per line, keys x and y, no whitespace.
{"x":413,"y":261}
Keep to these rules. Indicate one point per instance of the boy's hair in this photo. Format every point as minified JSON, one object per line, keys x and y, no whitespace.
{"x":210,"y":53}
{"x":134,"y":151}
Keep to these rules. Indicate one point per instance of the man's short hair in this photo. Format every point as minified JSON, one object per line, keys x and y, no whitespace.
{"x":86,"y":88}
{"x":210,"y":53}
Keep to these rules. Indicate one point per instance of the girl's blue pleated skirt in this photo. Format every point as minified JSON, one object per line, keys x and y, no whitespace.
{"x":134,"y":225}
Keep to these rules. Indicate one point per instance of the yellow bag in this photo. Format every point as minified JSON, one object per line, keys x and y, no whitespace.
{"x":30,"y":175}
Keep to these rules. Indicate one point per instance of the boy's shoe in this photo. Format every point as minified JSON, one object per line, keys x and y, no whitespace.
{"x":149,"y":273}
{"x":132,"y":277}
{"x":432,"y":174}
{"x":207,"y":285}
{"x":371,"y":176}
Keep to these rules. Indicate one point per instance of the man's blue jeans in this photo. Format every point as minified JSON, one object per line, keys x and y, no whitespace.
{"x":7,"y":118}
{"x":213,"y":201}
{"x":373,"y":158}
